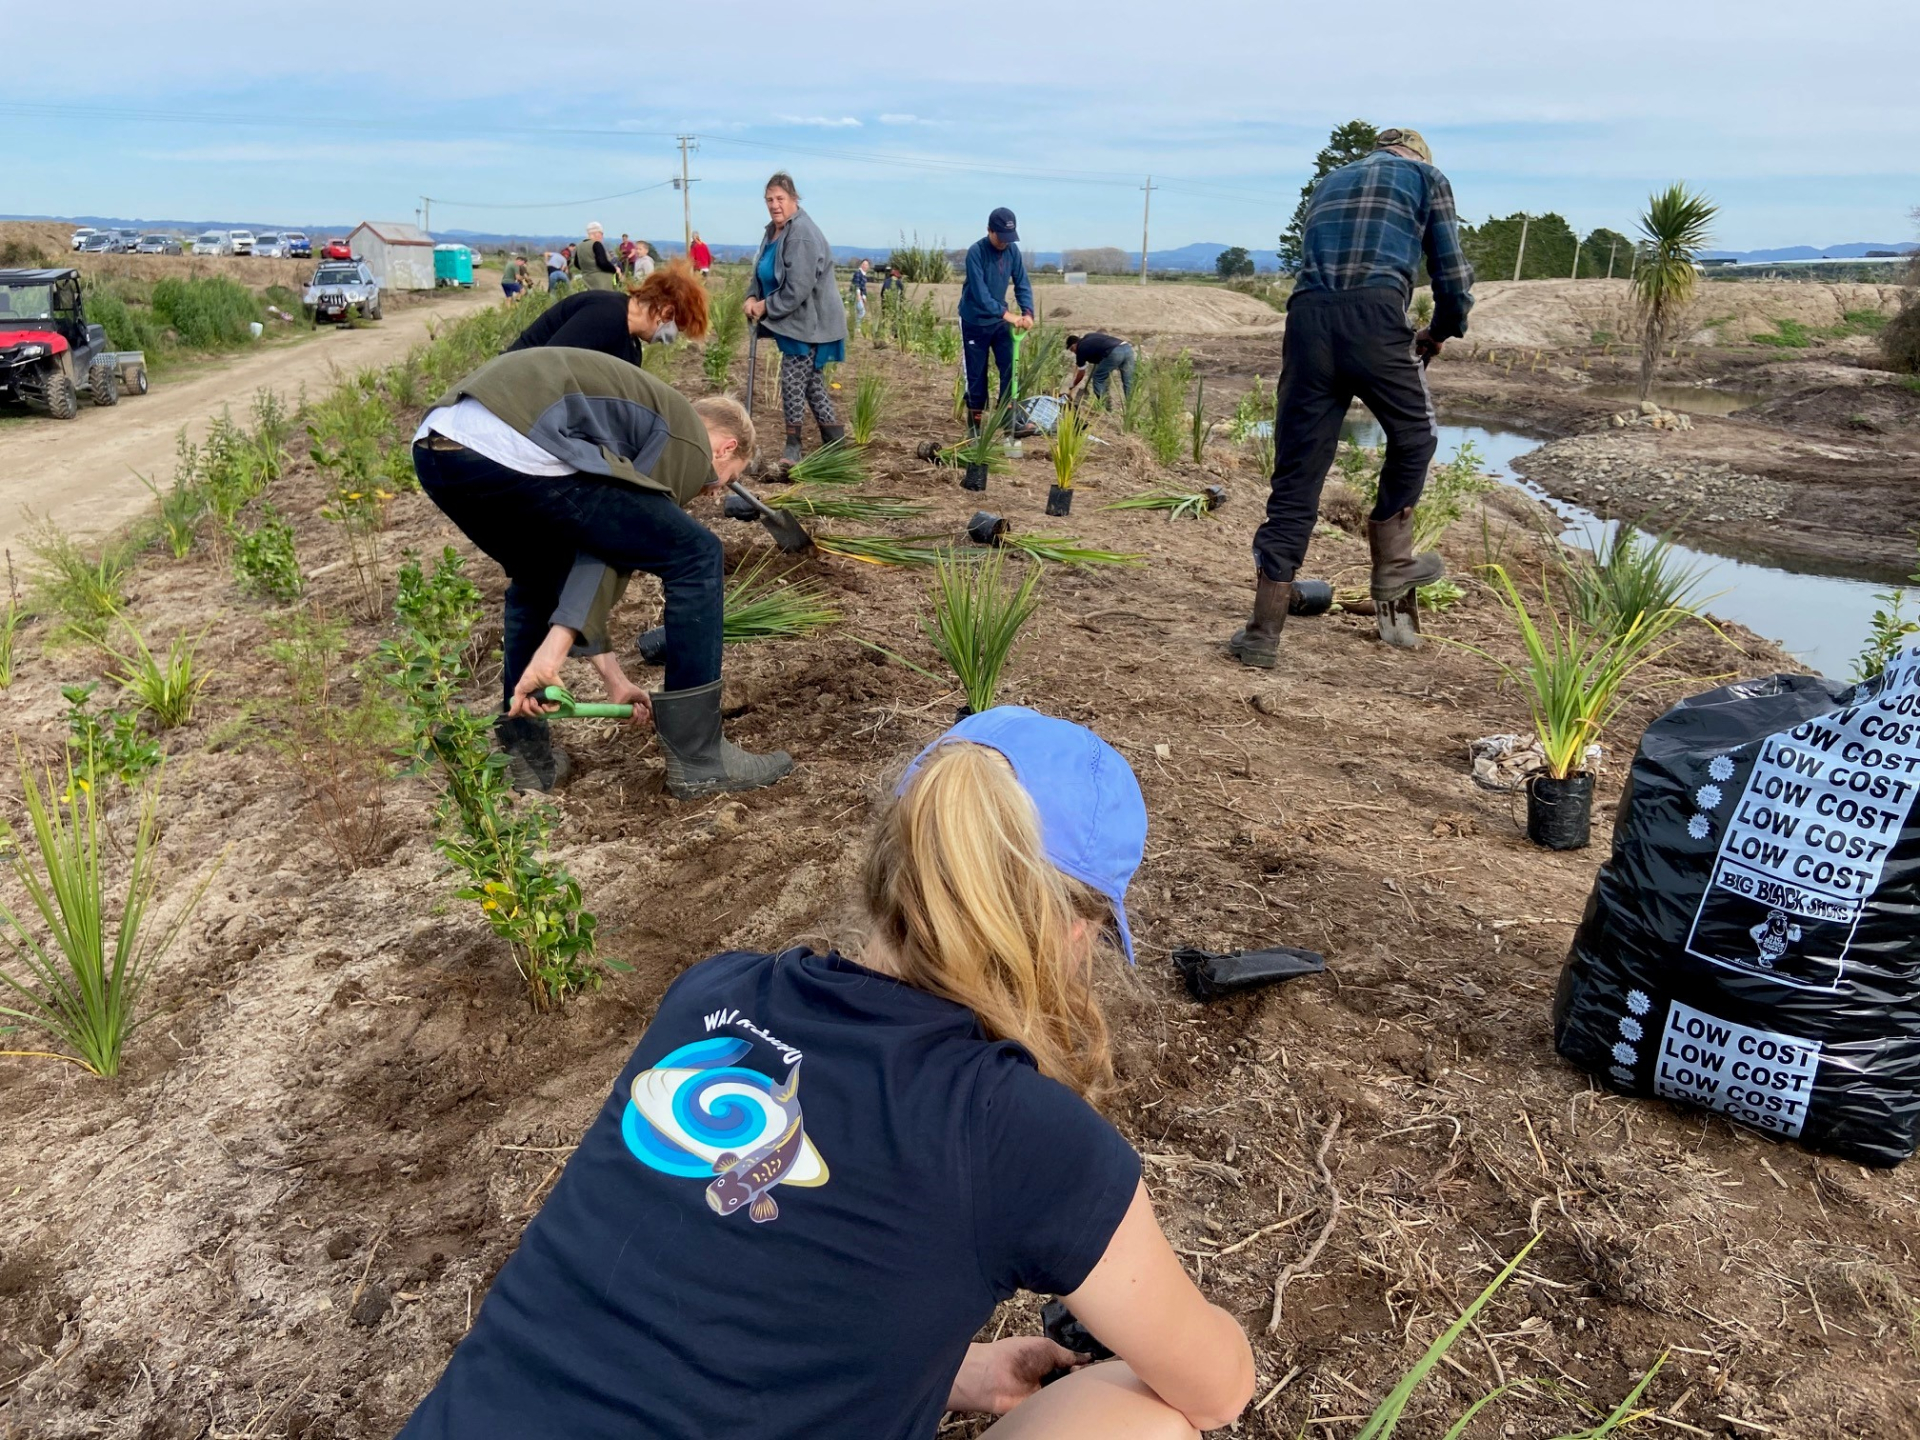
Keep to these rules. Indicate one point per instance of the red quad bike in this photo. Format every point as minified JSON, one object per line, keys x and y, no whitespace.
{"x":49,"y":354}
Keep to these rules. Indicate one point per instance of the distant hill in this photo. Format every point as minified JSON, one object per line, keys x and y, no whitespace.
{"x":1854,"y":251}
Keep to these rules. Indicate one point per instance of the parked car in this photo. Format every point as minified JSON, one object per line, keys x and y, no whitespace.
{"x":336,"y":250}
{"x":212,"y":242}
{"x":299,"y":247}
{"x":80,"y":236}
{"x":340,"y":287}
{"x":126,"y":240}
{"x":157,"y":245}
{"x":101,"y":242}
{"x":241,"y":240}
{"x":269,"y":245}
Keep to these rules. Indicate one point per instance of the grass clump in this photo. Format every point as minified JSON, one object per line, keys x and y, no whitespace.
{"x":10,"y":618}
{"x":803,"y":502}
{"x":164,"y":687}
{"x":978,"y":613}
{"x":885,"y":549}
{"x":1163,"y":423}
{"x":920,"y":263}
{"x":1785,"y":335}
{"x":839,"y":463}
{"x":1629,"y":576}
{"x":869,"y":400}
{"x":74,"y":979}
{"x":85,"y":592}
{"x":179,"y":510}
{"x":765,"y":607}
{"x":1199,"y":428}
{"x":1065,"y":550}
{"x":1178,"y":504}
{"x":207,"y":312}
{"x":1070,"y":433}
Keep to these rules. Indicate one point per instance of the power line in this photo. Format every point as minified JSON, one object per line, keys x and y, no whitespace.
{"x":549,"y":204}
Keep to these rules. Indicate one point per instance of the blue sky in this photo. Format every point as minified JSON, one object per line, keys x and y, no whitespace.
{"x":895,"y":119}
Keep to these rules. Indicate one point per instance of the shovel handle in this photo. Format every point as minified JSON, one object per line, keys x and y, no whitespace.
{"x":571,"y":709}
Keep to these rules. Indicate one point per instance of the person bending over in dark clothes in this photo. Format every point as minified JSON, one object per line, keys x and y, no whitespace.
{"x":817,"y":1176}
{"x":1368,"y":227}
{"x":1103,"y":356}
{"x":572,"y":469}
{"x":669,"y":304}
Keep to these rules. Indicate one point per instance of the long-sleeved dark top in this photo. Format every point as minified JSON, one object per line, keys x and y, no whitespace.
{"x":983,"y":299}
{"x":590,"y":320}
{"x":1369,"y":224}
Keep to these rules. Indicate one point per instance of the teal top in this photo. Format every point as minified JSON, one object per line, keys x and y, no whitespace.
{"x":834,"y":352}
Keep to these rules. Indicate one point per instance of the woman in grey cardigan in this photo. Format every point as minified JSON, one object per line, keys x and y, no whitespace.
{"x":794,"y":297}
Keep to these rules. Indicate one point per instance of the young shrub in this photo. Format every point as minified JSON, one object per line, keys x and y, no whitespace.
{"x":107,"y":745}
{"x":335,"y":735}
{"x":946,"y":344}
{"x":1165,"y":387}
{"x":180,"y":508}
{"x":869,"y":399}
{"x":264,"y":560}
{"x":75,"y":978}
{"x":85,"y":593}
{"x":1200,"y":429}
{"x":441,"y":605}
{"x":977,"y":617}
{"x":9,"y":630}
{"x":164,"y":688}
{"x":359,"y":508}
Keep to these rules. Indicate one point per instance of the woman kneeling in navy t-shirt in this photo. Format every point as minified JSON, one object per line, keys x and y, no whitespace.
{"x":815,"y":1179}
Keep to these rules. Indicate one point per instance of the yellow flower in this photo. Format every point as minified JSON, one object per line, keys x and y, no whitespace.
{"x":355,"y":495}
{"x":489,"y":904}
{"x":833,"y":384}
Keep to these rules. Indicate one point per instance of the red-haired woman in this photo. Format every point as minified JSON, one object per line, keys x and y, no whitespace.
{"x":668,"y":304}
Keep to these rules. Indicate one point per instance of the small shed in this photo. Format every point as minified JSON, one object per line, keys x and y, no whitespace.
{"x":400,"y":256}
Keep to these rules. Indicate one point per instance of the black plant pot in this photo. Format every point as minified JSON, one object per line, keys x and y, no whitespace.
{"x":1560,"y":812}
{"x":929,"y":451}
{"x":652,"y":646}
{"x":986,"y":528}
{"x":975,"y":478}
{"x":1059,"y":500}
{"x":738,"y":507}
{"x":1310,"y":597}
{"x":1216,"y":496}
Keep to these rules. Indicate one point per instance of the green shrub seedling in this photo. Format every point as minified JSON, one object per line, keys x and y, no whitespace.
{"x":165,"y":688}
{"x":265,"y":562}
{"x":977,"y":617}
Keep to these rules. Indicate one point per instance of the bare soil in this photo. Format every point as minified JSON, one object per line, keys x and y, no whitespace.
{"x":342,"y":1096}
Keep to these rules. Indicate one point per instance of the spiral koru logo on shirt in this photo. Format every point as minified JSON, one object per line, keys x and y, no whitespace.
{"x":699,"y":1115}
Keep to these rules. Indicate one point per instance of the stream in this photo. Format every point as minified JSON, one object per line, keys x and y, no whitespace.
{"x":1822,"y":620}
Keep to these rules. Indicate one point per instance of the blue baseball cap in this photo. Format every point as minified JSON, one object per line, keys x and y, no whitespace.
{"x":1093,"y":819}
{"x":1001,"y":223}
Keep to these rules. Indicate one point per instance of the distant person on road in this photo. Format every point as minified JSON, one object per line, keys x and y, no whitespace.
{"x":642,"y":260}
{"x":556,"y":271}
{"x":986,"y":324}
{"x":895,"y":284}
{"x":700,"y":255}
{"x":626,"y":253}
{"x":818,"y":1175}
{"x":592,"y":266}
{"x":572,"y":469}
{"x":1102,"y":356}
{"x":1369,"y":226}
{"x":668,"y":305}
{"x":794,"y":296}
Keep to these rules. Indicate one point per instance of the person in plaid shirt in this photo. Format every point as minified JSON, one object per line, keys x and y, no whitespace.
{"x":1369,"y":226}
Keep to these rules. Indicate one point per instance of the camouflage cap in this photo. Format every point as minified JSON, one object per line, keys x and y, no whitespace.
{"x":1405,"y":139}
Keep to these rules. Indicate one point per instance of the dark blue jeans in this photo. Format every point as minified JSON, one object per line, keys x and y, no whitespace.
{"x":975,"y":343}
{"x":535,"y":526}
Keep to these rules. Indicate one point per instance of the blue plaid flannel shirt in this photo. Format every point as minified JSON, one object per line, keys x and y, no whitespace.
{"x":1370,"y":223}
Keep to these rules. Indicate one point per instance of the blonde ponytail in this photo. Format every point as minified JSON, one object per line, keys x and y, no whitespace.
{"x":959,"y":888}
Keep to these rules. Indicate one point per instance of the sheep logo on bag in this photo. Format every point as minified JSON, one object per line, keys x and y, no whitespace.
{"x":698,"y":1114}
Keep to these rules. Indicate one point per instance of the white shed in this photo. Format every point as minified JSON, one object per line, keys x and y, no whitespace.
{"x":400,"y":256}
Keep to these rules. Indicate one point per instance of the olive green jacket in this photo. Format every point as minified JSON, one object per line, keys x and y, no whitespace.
{"x":605,"y":417}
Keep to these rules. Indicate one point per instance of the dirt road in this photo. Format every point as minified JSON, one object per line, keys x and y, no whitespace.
{"x":84,"y":473}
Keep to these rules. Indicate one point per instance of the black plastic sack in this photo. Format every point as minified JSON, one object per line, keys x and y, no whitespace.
{"x":1753,"y":944}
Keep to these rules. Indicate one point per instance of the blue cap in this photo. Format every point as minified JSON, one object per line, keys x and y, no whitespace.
{"x":1093,"y":819}
{"x":1000,"y":223}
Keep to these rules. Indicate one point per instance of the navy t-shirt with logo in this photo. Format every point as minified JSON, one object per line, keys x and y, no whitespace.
{"x":1095,"y":347}
{"x":807,"y":1192}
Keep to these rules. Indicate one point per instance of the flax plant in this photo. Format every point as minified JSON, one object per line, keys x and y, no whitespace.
{"x":1069,"y":445}
{"x":836,"y":464}
{"x":166,"y":688}
{"x":869,"y":399}
{"x":977,"y":618}
{"x":765,"y":607}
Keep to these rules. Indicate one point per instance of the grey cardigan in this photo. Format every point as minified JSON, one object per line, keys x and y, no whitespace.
{"x":806,"y":306}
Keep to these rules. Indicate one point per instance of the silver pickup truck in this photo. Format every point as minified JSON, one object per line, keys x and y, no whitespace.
{"x":340,"y":287}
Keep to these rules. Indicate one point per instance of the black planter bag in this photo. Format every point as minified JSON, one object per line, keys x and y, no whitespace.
{"x":1753,"y":944}
{"x":1560,"y":812}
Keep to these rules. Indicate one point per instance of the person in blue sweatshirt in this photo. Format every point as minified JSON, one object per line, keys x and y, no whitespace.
{"x":986,"y":324}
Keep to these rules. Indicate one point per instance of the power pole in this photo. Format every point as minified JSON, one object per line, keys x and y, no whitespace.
{"x":426,"y":213}
{"x":1612,"y":246}
{"x":1576,"y":254}
{"x":1146,"y":214}
{"x":1521,"y":258}
{"x":686,"y":190}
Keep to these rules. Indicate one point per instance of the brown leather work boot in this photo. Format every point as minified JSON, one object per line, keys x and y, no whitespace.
{"x":1397,"y":576}
{"x":1257,"y":643}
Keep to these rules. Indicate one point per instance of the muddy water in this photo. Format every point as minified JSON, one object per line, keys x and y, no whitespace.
{"x":1689,"y":399}
{"x":1821,"y":619}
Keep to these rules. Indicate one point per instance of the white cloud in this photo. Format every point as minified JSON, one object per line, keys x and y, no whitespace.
{"x":820,"y":122}
{"x":898,"y":119}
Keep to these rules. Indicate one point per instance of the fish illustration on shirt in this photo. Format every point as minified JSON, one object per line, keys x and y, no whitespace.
{"x":748,"y":1179}
{"x":699,"y":1114}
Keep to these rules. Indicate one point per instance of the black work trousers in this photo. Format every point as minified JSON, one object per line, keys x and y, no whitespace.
{"x":1341,"y":345}
{"x":535,"y":526}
